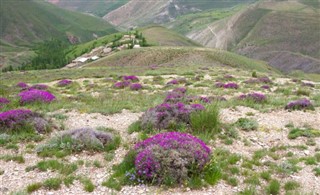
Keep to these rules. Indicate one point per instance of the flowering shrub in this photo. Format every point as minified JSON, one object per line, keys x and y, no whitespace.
{"x":36,"y":95}
{"x":256,"y":97}
{"x":265,"y":87}
{"x":4,"y":101}
{"x":182,"y":90}
{"x":135,"y":86}
{"x":258,"y":80}
{"x":231,"y":86}
{"x":22,"y":85}
{"x":173,"y":82}
{"x":121,"y":84}
{"x":39,"y":87}
{"x":171,"y":155}
{"x":130,"y":78}
{"x":14,"y":120}
{"x":219,"y":84}
{"x":64,"y":82}
{"x":167,"y":115}
{"x":300,"y":105}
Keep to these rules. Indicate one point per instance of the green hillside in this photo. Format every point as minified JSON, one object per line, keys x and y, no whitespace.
{"x":158,"y":35}
{"x":97,"y":7}
{"x":26,"y":22}
{"x":285,"y":34}
{"x":180,"y":56}
{"x":141,"y":13}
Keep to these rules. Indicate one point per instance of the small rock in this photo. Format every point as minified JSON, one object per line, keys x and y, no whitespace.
{"x":306,"y":152}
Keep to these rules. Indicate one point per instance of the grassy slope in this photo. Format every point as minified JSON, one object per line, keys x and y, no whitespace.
{"x":26,"y":22}
{"x":180,"y":56}
{"x":197,"y":21}
{"x":141,"y":13}
{"x":97,"y":7}
{"x":285,"y":34}
{"x":158,"y":35}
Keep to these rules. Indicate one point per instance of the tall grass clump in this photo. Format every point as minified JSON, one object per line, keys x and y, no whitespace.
{"x":206,"y":121}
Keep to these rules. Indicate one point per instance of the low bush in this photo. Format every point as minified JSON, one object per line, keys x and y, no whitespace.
{"x":247,"y":124}
{"x":20,"y":120}
{"x":170,"y":158}
{"x":64,"y":82}
{"x":255,"y":97}
{"x":36,"y":95}
{"x":78,"y":140}
{"x":135,"y":86}
{"x":131,"y":78}
{"x":167,"y":115}
{"x":302,"y":104}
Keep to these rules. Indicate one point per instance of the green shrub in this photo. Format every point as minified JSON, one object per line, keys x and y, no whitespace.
{"x":33,"y":187}
{"x":273,"y":187}
{"x":291,"y":185}
{"x":247,"y":124}
{"x":52,"y":183}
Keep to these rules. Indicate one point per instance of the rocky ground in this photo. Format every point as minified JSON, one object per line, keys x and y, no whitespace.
{"x":273,"y":131}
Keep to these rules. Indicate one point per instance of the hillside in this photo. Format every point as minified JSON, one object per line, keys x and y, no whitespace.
{"x":180,"y":56}
{"x":161,"y":36}
{"x":97,"y":7}
{"x":285,"y":34}
{"x":141,"y":13}
{"x":26,"y":22}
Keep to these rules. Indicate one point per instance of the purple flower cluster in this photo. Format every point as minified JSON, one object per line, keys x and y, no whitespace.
{"x":256,"y":97}
{"x":64,"y":82}
{"x":165,"y":115}
{"x":13,"y":118}
{"x":231,"y":86}
{"x":300,"y":105}
{"x":259,"y":80}
{"x":121,"y":84}
{"x":36,"y":95}
{"x":173,"y":82}
{"x":4,"y":101}
{"x":130,"y":78}
{"x":22,"y":85}
{"x":265,"y":87}
{"x":135,"y":86}
{"x":170,"y":154}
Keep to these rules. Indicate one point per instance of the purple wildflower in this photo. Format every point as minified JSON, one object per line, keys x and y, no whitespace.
{"x":135,"y":86}
{"x":231,"y":86}
{"x":197,"y":107}
{"x":173,"y":82}
{"x":121,"y":84}
{"x":12,"y":118}
{"x":299,"y":105}
{"x":130,"y":78}
{"x":4,"y":101}
{"x":256,"y":97}
{"x":22,"y":85}
{"x":64,"y":82}
{"x":219,"y":84}
{"x":36,"y":95}
{"x":264,"y":80}
{"x":180,"y":90}
{"x":39,"y":87}
{"x":150,"y":161}
{"x":265,"y":87}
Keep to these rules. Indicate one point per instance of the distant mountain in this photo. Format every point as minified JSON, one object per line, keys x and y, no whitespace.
{"x":25,"y":22}
{"x":284,"y":33}
{"x":96,"y":7}
{"x":140,"y":13}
